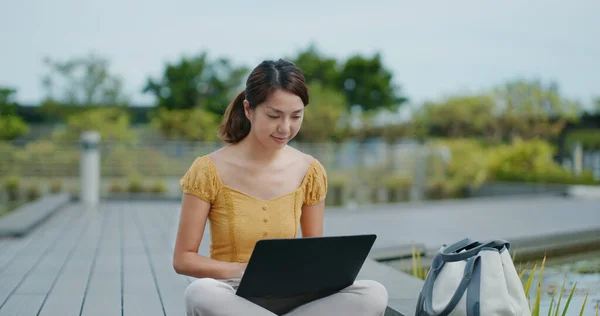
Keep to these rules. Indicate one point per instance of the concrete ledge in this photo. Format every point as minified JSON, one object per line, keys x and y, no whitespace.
{"x":22,"y":220}
{"x":382,"y":254}
{"x":584,"y":191}
{"x":556,"y":245}
{"x":403,"y":289}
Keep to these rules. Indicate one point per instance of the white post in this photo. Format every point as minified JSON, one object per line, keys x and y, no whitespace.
{"x":578,"y":159}
{"x":90,"y":168}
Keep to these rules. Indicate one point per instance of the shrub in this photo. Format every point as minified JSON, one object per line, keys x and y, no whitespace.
{"x":531,"y":161}
{"x":115,"y":187}
{"x":34,"y":192}
{"x":12,"y":185}
{"x":55,"y":186}
{"x":136,"y":184}
{"x":159,"y":187}
{"x":473,"y":164}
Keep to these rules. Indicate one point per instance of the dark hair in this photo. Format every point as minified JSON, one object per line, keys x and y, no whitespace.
{"x":266,"y":78}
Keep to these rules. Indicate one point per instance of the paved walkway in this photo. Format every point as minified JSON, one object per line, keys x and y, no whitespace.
{"x":436,"y":223}
{"x":116,"y":259}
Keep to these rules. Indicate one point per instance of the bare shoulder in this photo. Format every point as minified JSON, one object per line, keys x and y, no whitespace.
{"x":222,"y":156}
{"x":305,"y":160}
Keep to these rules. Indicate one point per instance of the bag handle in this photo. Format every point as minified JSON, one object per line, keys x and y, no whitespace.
{"x":452,"y":254}
{"x":460,"y":290}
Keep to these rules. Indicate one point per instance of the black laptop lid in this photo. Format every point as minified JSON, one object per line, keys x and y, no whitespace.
{"x":288,"y":267}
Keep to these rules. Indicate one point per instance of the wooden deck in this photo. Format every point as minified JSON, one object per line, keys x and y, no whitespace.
{"x":116,"y":259}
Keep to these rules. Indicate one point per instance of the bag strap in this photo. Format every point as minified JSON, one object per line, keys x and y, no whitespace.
{"x":458,"y":294}
{"x":452,"y":254}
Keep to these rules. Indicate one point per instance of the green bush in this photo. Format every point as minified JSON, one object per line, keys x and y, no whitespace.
{"x":55,"y":186}
{"x":136,"y":185}
{"x":474,"y":163}
{"x":531,"y":161}
{"x":12,"y":186}
{"x":589,"y":138}
{"x":34,"y":192}
{"x":159,"y":187}
{"x":115,"y":187}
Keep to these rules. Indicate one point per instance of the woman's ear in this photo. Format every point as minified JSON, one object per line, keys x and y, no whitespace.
{"x":247,"y":109}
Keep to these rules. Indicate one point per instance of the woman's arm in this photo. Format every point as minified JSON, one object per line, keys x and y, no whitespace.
{"x":311,"y":220}
{"x":186,"y":260}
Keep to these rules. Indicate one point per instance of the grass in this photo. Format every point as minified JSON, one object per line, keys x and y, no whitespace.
{"x":419,"y":271}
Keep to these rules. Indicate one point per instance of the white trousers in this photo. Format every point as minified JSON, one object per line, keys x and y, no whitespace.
{"x":210,"y":297}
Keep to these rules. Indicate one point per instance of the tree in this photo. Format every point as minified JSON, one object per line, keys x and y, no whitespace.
{"x":84,"y":81}
{"x":11,"y":125}
{"x":459,"y":116}
{"x":112,"y":124}
{"x":367,"y":83}
{"x":322,"y":115}
{"x":529,"y":109}
{"x":193,"y":125}
{"x":319,"y":69}
{"x":197,"y":81}
{"x":364,"y":81}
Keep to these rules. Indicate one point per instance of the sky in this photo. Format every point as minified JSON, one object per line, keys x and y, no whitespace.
{"x":433,"y":48}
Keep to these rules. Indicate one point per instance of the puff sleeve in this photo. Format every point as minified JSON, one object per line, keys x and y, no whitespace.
{"x":315,"y":189}
{"x":201,"y":180}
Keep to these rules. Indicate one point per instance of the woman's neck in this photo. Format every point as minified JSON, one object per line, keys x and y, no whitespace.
{"x":253,"y":150}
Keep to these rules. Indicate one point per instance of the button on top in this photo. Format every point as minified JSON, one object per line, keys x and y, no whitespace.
{"x":266,"y":220}
{"x":264,"y":207}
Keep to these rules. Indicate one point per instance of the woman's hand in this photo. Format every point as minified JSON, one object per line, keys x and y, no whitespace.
{"x":238,"y":269}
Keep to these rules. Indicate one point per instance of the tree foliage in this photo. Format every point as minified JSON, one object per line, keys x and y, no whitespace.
{"x":369,"y":84}
{"x":322,"y":115}
{"x":11,"y":126}
{"x":520,"y":109}
{"x":194,"y":124}
{"x":365,"y":81}
{"x":197,"y":81}
{"x":112,"y":124}
{"x":83,"y":80}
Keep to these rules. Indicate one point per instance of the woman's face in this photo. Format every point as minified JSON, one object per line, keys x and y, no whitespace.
{"x":277,"y":120}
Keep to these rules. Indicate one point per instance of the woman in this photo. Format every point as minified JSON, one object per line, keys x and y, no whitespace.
{"x":257,"y":187}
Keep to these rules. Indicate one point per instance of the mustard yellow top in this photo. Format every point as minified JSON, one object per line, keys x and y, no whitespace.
{"x":238,"y":220}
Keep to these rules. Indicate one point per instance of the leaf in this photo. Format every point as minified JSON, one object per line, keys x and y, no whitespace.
{"x":527,"y":286}
{"x":569,"y":300}
{"x":583,"y":306}
{"x":538,"y":296}
{"x":562,"y":289}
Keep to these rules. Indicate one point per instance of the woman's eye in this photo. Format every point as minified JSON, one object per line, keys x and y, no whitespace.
{"x":273,"y":117}
{"x":297,"y":117}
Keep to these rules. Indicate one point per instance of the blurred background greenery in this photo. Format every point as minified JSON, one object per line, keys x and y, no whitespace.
{"x":520,"y":132}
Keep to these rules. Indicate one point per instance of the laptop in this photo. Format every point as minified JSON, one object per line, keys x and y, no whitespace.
{"x":295,"y":271}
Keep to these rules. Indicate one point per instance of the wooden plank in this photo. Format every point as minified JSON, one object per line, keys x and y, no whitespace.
{"x":171,"y":286}
{"x":67,"y":294}
{"x":140,"y":295}
{"x":17,"y":244}
{"x":28,"y":258}
{"x":103,"y":289}
{"x":27,"y":217}
{"x":43,"y":275}
{"x":22,"y":305}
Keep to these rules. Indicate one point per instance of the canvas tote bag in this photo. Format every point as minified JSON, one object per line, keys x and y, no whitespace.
{"x":471,"y":278}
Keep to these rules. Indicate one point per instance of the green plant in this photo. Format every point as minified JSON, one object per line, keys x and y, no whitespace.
{"x":159,"y":187}
{"x":34,"y":192}
{"x":12,"y":185}
{"x":55,"y":186}
{"x":115,"y":187}
{"x":136,"y":185}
